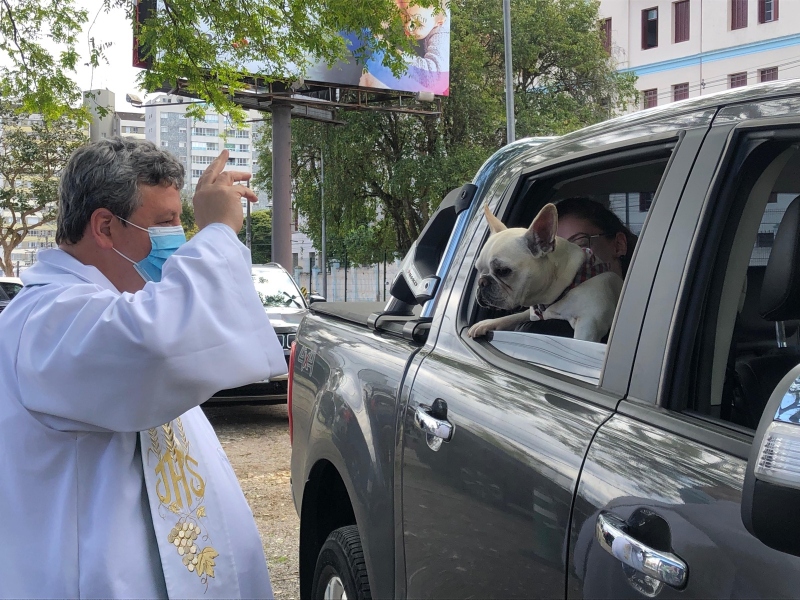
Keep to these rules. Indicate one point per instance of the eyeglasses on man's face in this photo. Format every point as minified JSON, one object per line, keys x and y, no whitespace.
{"x":584,"y":240}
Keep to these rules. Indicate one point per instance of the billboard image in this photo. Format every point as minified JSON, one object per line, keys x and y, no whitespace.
{"x":427,"y":66}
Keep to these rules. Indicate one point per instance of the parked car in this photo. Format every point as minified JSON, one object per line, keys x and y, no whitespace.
{"x":285,"y":306}
{"x":429,"y":464}
{"x":11,"y":285}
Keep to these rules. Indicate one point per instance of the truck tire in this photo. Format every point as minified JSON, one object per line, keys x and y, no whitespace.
{"x":341,"y":571}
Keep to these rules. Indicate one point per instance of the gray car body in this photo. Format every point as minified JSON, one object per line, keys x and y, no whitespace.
{"x":508,"y":507}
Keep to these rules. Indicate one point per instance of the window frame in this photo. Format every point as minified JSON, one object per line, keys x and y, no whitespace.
{"x":762,"y":11}
{"x":648,"y":96}
{"x":682,"y":21}
{"x":768,"y":70}
{"x":635,"y":150}
{"x":740,"y":76}
{"x":645,"y":28}
{"x":683,"y":87}
{"x":605,"y":31}
{"x":667,"y":325}
{"x":739,"y":10}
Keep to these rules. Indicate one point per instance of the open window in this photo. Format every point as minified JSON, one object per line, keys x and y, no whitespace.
{"x":626,"y":183}
{"x":747,"y":291}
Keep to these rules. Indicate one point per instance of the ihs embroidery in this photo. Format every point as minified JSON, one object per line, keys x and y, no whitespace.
{"x":181,"y":489}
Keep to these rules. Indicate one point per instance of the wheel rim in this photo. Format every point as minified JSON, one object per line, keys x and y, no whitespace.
{"x":335,"y":589}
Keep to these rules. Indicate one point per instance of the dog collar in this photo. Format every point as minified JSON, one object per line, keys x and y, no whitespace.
{"x":590,"y":268}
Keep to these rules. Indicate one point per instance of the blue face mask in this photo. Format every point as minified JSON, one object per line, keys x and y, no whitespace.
{"x":163,"y":243}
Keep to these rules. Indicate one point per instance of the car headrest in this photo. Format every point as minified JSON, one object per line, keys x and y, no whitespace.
{"x":780,"y":294}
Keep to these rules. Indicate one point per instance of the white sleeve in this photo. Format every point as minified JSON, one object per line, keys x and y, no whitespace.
{"x":133,"y":361}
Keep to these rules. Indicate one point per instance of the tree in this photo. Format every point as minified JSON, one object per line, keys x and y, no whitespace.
{"x":261,"y":240}
{"x":33,"y":151}
{"x":386,"y":172}
{"x":187,"y":216}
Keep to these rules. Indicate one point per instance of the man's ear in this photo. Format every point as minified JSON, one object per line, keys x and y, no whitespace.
{"x":495,"y":225}
{"x":99,"y":228}
{"x":541,"y":235}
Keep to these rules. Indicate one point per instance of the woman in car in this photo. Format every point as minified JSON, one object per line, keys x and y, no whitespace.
{"x":589,"y":224}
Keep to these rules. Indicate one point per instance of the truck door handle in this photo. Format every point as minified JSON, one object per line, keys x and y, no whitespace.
{"x":433,"y":421}
{"x":662,"y":566}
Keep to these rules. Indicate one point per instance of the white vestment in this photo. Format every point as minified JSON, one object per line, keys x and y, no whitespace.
{"x":83,"y":370}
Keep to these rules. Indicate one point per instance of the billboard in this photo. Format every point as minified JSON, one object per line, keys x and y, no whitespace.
{"x":428,"y":65}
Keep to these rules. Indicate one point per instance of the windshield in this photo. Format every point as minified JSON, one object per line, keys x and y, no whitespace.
{"x":277,"y":290}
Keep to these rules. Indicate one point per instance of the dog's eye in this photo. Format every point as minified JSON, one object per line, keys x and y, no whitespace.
{"x":502,"y":272}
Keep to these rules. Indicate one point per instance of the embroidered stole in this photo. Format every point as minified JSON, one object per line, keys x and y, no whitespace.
{"x":187,"y":518}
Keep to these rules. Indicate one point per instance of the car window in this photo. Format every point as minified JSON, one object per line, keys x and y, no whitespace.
{"x":10,"y":288}
{"x":625,"y":185}
{"x":748,"y":331}
{"x":276,"y":289}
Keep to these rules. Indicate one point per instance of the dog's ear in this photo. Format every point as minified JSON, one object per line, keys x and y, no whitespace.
{"x":541,"y":235}
{"x":495,"y":224}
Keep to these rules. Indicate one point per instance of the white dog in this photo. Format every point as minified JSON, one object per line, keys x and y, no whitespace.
{"x":556,"y":278}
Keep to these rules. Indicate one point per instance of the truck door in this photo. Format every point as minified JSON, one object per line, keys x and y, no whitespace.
{"x":658,"y":508}
{"x":492,"y":444}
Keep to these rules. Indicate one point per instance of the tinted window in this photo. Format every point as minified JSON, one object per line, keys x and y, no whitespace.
{"x":10,"y":288}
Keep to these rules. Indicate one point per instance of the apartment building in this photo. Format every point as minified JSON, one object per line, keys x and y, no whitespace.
{"x":690,"y":48}
{"x":129,"y":124}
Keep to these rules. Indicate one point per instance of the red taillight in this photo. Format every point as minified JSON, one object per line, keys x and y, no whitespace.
{"x":289,"y":387}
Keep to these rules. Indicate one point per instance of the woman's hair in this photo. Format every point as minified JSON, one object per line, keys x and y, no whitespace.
{"x":602,"y":218}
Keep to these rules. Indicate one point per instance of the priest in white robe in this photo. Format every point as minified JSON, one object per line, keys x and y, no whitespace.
{"x":113,"y":483}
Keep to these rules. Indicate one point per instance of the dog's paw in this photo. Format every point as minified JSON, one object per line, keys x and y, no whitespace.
{"x":481,"y":328}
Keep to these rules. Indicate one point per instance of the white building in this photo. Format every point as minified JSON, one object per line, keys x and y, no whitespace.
{"x":693,"y":47}
{"x":129,"y":124}
{"x":100,"y":104}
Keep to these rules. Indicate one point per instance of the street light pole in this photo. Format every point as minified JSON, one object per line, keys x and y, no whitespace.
{"x":324,"y":235}
{"x":510,"y":135}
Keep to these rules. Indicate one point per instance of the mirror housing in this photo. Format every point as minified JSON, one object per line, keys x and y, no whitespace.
{"x":312,"y":298}
{"x":771,"y":492}
{"x":418,"y":279}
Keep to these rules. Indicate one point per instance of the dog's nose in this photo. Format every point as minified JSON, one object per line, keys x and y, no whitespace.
{"x":483,"y":281}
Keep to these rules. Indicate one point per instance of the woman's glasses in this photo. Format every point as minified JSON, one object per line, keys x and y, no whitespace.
{"x":584,"y":240}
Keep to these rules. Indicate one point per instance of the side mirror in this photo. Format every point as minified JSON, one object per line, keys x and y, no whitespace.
{"x":316,"y":298}
{"x":417,"y":282}
{"x":771,"y":491}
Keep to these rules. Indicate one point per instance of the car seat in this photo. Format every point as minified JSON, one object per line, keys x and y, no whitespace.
{"x":779,"y":303}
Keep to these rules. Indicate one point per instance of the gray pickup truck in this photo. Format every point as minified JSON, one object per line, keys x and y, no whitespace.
{"x":524,"y":464}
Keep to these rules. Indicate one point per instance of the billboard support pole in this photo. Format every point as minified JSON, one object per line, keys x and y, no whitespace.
{"x":282,"y":184}
{"x":510,"y":134}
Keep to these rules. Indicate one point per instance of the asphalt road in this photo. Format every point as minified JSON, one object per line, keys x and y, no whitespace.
{"x":256,"y":440}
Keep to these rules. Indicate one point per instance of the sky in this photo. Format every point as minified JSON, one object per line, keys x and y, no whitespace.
{"x":118,"y":74}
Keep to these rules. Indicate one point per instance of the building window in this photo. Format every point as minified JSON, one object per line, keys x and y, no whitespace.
{"x":765,"y":239}
{"x":197,"y":172}
{"x":164,"y":144}
{"x":164,"y":115}
{"x":645,"y":201}
{"x":738,"y":14}
{"x":605,"y":34}
{"x":181,"y":144}
{"x":770,"y":74}
{"x":650,"y":98}
{"x":244,"y":148}
{"x":737,"y":80}
{"x":242,"y":162}
{"x":164,"y":129}
{"x":649,"y":28}
{"x":681,"y":21}
{"x":767,"y":11}
{"x":680,"y":91}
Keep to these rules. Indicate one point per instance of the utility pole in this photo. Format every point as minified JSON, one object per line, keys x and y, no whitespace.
{"x":510,"y":134}
{"x":324,"y":232}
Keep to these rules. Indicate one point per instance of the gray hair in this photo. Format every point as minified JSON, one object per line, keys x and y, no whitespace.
{"x":107,"y":174}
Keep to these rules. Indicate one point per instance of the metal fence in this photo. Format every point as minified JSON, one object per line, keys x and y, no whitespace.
{"x":350,"y":284}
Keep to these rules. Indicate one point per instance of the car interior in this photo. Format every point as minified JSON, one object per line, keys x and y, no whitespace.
{"x":752,"y":304}
{"x":625,"y":183}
